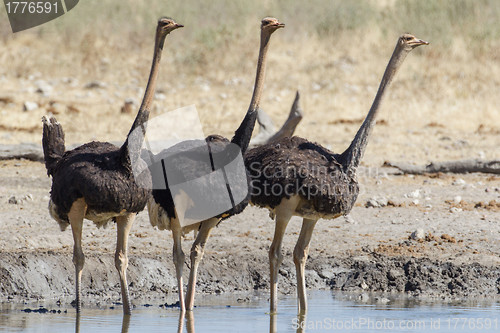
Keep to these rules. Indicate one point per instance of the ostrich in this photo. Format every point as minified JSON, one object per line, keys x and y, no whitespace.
{"x":95,"y":181}
{"x":267,"y":132}
{"x":294,"y":176}
{"x":187,"y":156}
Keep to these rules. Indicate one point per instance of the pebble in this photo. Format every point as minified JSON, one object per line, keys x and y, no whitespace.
{"x":128,"y":106}
{"x":95,"y":84}
{"x":43,"y":87}
{"x":377,"y":202}
{"x":418,"y":234}
{"x":455,"y":210}
{"x":13,"y":200}
{"x":349,"y":219}
{"x":393,"y":274}
{"x":415,"y":194}
{"x":160,"y":96}
{"x":457,"y":199}
{"x":30,"y":106}
{"x":458,"y":181}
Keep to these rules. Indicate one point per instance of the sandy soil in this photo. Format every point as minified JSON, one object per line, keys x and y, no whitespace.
{"x":370,"y":251}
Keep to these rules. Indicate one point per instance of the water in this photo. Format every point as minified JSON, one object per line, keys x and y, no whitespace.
{"x":328,"y":312}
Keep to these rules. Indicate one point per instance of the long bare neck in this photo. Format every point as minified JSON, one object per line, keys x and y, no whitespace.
{"x":132,"y":146}
{"x":243,"y":134}
{"x":351,"y":157}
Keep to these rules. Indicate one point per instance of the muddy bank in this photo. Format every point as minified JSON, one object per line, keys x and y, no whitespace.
{"x":49,"y":277}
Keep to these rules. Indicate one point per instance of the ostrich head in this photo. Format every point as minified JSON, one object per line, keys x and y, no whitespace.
{"x":409,"y":42}
{"x":271,"y":24}
{"x":167,"y":25}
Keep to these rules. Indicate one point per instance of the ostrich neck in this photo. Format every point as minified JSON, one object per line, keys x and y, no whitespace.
{"x":351,"y":157}
{"x":243,"y":134}
{"x":261,"y":71}
{"x":135,"y":137}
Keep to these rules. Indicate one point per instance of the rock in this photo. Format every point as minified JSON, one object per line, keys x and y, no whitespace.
{"x":43,"y":88}
{"x":418,"y":234}
{"x":6,"y":99}
{"x":95,"y":85}
{"x":457,"y":199}
{"x":415,"y":194}
{"x":327,"y":273}
{"x":13,"y":200}
{"x":458,"y":182}
{"x":376,"y":202}
{"x":393,"y":274}
{"x":349,"y":219}
{"x":128,"y":106}
{"x":30,"y":106}
{"x":160,"y":96}
{"x":455,"y":210}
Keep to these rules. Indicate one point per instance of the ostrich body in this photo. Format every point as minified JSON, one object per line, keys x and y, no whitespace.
{"x":95,"y":181}
{"x":164,"y":214}
{"x":294,"y":176}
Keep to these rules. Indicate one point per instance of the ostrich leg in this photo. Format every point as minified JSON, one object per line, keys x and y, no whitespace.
{"x":179,"y":258}
{"x":284,"y":213}
{"x":75,"y":216}
{"x":196,"y":255}
{"x":300,"y":257}
{"x":123,"y":223}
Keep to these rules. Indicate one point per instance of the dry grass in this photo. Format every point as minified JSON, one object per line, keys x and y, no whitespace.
{"x":333,"y":51}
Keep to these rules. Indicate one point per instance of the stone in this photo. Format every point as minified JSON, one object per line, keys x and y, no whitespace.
{"x":29,"y":106}
{"x":418,"y":234}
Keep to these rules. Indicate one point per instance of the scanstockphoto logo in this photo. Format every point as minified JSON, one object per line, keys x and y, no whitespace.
{"x":205,"y":177}
{"x":28,"y":14}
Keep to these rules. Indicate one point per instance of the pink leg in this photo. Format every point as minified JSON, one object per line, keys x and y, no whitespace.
{"x":299,"y":258}
{"x":196,"y":256}
{"x":284,"y":213}
{"x":123,"y":224}
{"x":179,"y":258}
{"x":75,"y":216}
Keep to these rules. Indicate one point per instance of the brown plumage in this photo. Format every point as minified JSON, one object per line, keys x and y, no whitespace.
{"x":96,"y":181}
{"x":293,"y":176}
{"x":301,"y":167}
{"x":186,"y":162}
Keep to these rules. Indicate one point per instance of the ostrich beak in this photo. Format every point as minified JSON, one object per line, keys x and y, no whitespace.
{"x":418,"y":42}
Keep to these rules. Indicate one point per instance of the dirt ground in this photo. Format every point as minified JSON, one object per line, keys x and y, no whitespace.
{"x":441,"y":106}
{"x":371,"y":250}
